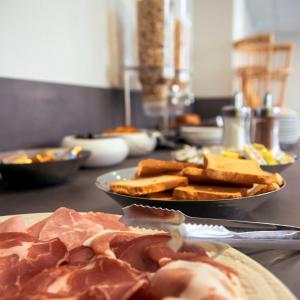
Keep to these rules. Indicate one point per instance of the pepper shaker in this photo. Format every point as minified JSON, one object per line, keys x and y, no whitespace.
{"x":236,"y":119}
{"x":265,"y":126}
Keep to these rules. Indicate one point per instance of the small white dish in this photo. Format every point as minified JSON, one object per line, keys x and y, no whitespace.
{"x":140,"y":143}
{"x":202,"y":135}
{"x":105,"y":151}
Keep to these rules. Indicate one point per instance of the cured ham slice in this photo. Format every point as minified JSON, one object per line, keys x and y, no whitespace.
{"x":36,"y":228}
{"x":147,"y":252}
{"x":93,"y":256}
{"x":191,"y":280}
{"x":102,"y":278}
{"x":162,"y":254}
{"x":134,"y":251}
{"x":80,"y":255}
{"x":73,"y":228}
{"x":13,"y":224}
{"x":69,"y":226}
{"x":108,"y":221}
{"x":22,"y":257}
{"x":105,"y":242}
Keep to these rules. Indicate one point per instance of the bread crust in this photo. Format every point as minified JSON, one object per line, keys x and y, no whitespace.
{"x":166,"y":195}
{"x":202,"y":192}
{"x":154,"y":167}
{"x":263,"y":188}
{"x":144,"y":186}
{"x":234,"y":170}
{"x":201,"y":176}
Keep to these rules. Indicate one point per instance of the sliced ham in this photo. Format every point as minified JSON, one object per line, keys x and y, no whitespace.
{"x":108,"y":221}
{"x":102,"y":278}
{"x":22,"y":257}
{"x":92,"y":256}
{"x":148,"y":252}
{"x":13,"y":224}
{"x":106,"y":241}
{"x":80,"y":256}
{"x":190,"y":280}
{"x":162,"y":254}
{"x":72,"y":227}
{"x":69,"y":226}
{"x":37,"y":227}
{"x":134,"y":251}
{"x":145,"y":252}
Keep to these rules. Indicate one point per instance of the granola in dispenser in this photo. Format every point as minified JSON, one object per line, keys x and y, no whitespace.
{"x":156,"y":54}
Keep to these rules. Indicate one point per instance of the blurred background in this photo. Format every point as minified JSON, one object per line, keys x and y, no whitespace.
{"x":61,"y":62}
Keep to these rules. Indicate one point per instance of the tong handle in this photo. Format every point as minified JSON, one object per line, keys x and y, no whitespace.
{"x":269,"y":244}
{"x":240,"y":226}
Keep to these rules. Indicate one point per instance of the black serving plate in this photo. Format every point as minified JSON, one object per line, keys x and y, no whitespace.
{"x":238,"y":207}
{"x":39,"y":174}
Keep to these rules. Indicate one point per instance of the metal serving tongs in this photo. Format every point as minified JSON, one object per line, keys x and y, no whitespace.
{"x":242,"y":234}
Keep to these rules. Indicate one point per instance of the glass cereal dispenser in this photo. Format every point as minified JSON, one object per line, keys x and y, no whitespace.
{"x":160,"y":39}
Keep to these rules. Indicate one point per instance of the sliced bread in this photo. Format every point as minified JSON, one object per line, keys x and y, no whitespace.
{"x":203,"y":192}
{"x":263,"y":188}
{"x":200,"y":176}
{"x":144,"y":186}
{"x":153,"y":167}
{"x":235,"y":170}
{"x":166,"y":195}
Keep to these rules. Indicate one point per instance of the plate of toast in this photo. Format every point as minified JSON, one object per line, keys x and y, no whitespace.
{"x":220,"y":187}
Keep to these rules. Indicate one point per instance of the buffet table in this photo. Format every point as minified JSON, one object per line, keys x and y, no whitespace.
{"x":82,"y":194}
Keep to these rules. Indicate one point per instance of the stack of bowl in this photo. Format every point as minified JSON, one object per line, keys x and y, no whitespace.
{"x":289,"y":127}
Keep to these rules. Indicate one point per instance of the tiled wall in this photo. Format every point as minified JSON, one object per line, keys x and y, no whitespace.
{"x":34,"y":114}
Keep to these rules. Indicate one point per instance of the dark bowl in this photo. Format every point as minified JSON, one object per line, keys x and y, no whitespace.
{"x":226,"y":208}
{"x":40,"y":174}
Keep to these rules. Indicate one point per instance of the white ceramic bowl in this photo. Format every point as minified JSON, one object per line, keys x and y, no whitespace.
{"x":140,"y":143}
{"x":105,"y":151}
{"x":202,"y":135}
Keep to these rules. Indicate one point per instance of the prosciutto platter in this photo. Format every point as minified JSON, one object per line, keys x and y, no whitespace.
{"x":72,"y":255}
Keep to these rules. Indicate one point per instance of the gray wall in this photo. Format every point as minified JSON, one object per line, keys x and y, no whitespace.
{"x":34,"y":114}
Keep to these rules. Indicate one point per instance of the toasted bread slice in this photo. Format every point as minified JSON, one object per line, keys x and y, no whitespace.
{"x":200,"y":176}
{"x":263,"y":188}
{"x":166,"y":195}
{"x":195,"y":174}
{"x":235,"y":170}
{"x":207,"y":192}
{"x":153,"y":167}
{"x":144,"y":186}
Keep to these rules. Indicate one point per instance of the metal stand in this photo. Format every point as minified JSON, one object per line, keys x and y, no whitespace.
{"x":127,"y":98}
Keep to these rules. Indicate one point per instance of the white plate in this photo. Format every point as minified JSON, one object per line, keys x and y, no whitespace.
{"x":202,"y":135}
{"x":209,"y":132}
{"x":257,"y":283}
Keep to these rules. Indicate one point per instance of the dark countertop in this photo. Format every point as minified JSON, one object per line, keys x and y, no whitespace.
{"x":81,"y":194}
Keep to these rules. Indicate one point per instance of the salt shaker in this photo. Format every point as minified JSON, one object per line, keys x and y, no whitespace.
{"x":265,"y":125}
{"x":236,"y":118}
